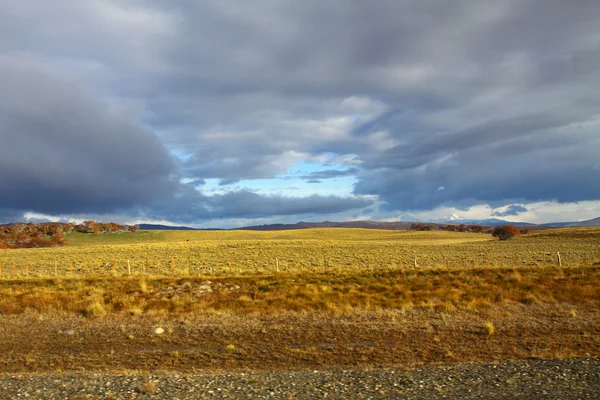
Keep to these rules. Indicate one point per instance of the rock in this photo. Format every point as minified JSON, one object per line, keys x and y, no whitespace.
{"x":69,"y":332}
{"x":159,"y":331}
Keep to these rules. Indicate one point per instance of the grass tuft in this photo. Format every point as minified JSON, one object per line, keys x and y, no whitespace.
{"x":489,"y":328}
{"x":96,"y":309}
{"x":148,"y":388}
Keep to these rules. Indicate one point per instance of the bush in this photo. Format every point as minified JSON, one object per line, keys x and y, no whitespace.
{"x":506,"y":232}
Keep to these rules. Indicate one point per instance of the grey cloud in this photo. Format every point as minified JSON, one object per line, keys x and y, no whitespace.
{"x":8,"y":216}
{"x":190,"y":205}
{"x":513,"y":209}
{"x":64,"y":151}
{"x":494,"y":100}
{"x":461,"y":83}
{"x":198,"y":182}
{"x":227,"y":182}
{"x":330,"y":174}
{"x":251,"y":205}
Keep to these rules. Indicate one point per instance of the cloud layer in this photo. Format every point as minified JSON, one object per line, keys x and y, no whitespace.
{"x":63,"y":150}
{"x":108,"y":106}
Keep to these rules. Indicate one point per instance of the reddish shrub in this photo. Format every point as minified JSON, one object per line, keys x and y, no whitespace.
{"x":506,"y":232}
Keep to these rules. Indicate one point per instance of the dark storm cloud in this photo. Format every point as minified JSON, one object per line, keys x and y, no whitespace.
{"x":189,"y":205}
{"x":247,"y":204}
{"x":482,"y":98}
{"x":513,"y":209}
{"x":64,"y":151}
{"x":8,"y":216}
{"x":496,"y":101}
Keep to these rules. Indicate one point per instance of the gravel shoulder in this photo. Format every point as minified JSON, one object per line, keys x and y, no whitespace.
{"x":536,"y":351}
{"x":531,"y":379}
{"x":233,"y":342}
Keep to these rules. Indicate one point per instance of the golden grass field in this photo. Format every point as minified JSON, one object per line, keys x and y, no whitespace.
{"x":297,"y":299}
{"x":179,"y":253}
{"x":332,"y":270}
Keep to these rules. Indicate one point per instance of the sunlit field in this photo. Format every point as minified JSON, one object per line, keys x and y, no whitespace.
{"x":189,"y":253}
{"x":332,"y":270}
{"x":297,"y":299}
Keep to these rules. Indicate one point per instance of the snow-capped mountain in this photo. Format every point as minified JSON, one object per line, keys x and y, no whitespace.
{"x":451,"y":218}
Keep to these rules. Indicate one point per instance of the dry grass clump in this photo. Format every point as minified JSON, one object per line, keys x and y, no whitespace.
{"x":148,"y":387}
{"x":446,"y":290}
{"x":96,"y":309}
{"x":489,"y":328}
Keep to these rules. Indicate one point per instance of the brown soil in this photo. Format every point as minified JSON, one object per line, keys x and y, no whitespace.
{"x":234,"y":342}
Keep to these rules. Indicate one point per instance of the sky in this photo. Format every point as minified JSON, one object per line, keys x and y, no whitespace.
{"x":227,"y":113}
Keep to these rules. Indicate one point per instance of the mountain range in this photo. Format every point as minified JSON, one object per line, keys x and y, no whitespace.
{"x":398,"y":225}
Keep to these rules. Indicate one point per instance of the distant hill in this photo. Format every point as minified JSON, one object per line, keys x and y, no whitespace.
{"x":156,"y":227}
{"x":484,"y":222}
{"x":589,"y":222}
{"x":398,"y":225}
{"x":401,"y":225}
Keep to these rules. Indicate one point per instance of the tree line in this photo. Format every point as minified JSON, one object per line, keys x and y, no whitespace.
{"x":503,"y":232}
{"x":51,"y":234}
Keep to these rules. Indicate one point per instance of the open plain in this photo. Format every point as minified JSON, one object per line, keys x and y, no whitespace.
{"x":331,"y":299}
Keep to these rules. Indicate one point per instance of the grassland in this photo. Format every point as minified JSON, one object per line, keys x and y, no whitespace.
{"x":197,"y":253}
{"x":288,"y":299}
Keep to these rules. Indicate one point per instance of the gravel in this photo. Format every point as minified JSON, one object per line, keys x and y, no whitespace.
{"x":531,"y":379}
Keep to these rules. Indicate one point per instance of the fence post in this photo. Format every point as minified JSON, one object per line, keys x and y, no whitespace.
{"x":27,"y":270}
{"x":55,"y":269}
{"x":544,"y":258}
{"x":276,"y":265}
{"x":558,"y":258}
{"x":128,"y":268}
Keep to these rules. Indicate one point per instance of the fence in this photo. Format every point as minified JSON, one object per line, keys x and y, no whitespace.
{"x":188,"y":266}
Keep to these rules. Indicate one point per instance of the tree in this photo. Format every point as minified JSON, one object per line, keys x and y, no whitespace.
{"x":476,"y":228}
{"x":506,"y":232}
